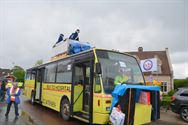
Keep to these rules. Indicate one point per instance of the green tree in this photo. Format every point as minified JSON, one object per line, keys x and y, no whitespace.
{"x":19,"y":73}
{"x":178,"y":83}
{"x":39,"y":62}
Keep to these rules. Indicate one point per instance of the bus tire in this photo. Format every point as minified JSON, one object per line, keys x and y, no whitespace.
{"x":32,"y":98}
{"x":65,"y":109}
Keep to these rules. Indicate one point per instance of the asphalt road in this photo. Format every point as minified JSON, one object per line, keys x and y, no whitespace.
{"x":40,"y":115}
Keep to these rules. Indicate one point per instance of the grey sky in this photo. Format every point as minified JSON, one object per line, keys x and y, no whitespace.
{"x":29,"y":28}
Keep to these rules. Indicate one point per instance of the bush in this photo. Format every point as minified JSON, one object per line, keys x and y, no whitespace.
{"x":166,"y":101}
{"x":171,"y":93}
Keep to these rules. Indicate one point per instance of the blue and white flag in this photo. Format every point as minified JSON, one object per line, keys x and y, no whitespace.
{"x":149,"y":65}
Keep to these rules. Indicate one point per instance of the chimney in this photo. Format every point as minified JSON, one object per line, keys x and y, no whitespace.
{"x":140,"y":49}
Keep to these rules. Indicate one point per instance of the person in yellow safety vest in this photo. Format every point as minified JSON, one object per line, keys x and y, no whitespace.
{"x":9,"y":84}
{"x":122,"y":77}
{"x":20,"y":84}
{"x":13,"y":97}
{"x":10,"y":80}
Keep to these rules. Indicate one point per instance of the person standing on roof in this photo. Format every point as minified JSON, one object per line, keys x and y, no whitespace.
{"x":74,"y":36}
{"x":61,"y":37}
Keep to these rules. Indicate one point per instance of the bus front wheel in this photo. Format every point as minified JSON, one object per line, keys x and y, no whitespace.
{"x":65,"y":109}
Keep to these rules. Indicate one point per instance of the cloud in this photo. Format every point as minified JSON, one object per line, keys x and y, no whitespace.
{"x":28,"y":29}
{"x":181,"y":70}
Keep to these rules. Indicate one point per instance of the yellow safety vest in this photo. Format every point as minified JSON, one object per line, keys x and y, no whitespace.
{"x":20,"y":84}
{"x":9,"y":84}
{"x":12,"y":98}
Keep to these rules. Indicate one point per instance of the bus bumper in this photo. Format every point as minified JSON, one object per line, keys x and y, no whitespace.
{"x":100,"y":118}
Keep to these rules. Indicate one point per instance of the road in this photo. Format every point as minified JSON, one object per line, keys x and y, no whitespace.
{"x":40,"y":115}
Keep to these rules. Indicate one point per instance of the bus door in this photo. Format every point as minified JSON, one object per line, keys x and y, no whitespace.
{"x":38,"y":84}
{"x":83,"y":90}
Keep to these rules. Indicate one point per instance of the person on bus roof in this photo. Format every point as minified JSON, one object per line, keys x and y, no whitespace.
{"x":13,"y":97}
{"x":61,"y":37}
{"x":74,"y":36}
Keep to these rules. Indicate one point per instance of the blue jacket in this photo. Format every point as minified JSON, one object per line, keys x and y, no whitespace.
{"x":74,"y":36}
{"x":17,"y":99}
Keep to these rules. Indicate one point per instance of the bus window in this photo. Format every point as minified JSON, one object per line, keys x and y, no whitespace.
{"x":97,"y":84}
{"x":32,"y":76}
{"x":50,"y":71}
{"x":118,"y":68}
{"x":28,"y":76}
{"x":79,"y":76}
{"x":64,"y":72}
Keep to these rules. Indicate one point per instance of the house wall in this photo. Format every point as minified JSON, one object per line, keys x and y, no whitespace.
{"x":167,"y":79}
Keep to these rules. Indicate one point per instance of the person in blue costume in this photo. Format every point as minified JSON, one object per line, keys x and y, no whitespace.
{"x":74,"y":36}
{"x":61,"y":38}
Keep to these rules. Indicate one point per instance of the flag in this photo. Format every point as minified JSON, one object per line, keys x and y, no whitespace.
{"x":148,"y":65}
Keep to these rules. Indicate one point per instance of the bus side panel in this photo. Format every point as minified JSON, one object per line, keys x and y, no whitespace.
{"x":53,"y":93}
{"x":29,"y":86}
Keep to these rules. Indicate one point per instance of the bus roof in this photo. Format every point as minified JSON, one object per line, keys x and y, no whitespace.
{"x":81,"y":53}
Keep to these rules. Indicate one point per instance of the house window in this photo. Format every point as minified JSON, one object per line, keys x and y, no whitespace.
{"x":164,"y":86}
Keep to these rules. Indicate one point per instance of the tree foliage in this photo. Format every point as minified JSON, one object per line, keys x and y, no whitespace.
{"x":178,"y":83}
{"x":19,"y":73}
{"x":39,"y":62}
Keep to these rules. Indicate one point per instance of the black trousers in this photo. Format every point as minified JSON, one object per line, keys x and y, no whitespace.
{"x":15,"y":106}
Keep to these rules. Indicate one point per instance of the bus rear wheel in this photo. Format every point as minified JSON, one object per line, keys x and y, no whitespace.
{"x":65,"y":109}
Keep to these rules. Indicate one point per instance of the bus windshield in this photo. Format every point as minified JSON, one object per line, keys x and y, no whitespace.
{"x":118,"y":68}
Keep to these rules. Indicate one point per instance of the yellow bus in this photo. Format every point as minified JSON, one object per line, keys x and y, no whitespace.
{"x":80,"y":85}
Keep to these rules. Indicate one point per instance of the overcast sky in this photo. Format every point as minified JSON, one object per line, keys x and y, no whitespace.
{"x":29,"y":28}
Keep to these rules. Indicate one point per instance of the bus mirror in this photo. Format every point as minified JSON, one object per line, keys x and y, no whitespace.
{"x":98,"y":68}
